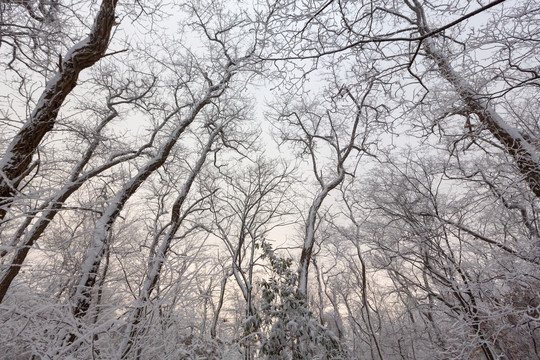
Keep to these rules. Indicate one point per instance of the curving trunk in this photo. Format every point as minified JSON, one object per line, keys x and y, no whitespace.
{"x":15,"y":165}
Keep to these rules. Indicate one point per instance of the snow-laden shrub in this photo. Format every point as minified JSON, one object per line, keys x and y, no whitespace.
{"x":292,"y":332}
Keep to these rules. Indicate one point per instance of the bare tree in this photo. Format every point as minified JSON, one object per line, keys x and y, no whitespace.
{"x":81,"y":298}
{"x":319,"y":130}
{"x":39,"y":219}
{"x":445,"y":261}
{"x":160,"y":253}
{"x":15,"y":165}
{"x":517,"y":142}
{"x":245,"y":210}
{"x":196,"y":93}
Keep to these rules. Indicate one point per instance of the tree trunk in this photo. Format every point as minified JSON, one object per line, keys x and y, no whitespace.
{"x":15,"y":164}
{"x":524,"y":153}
